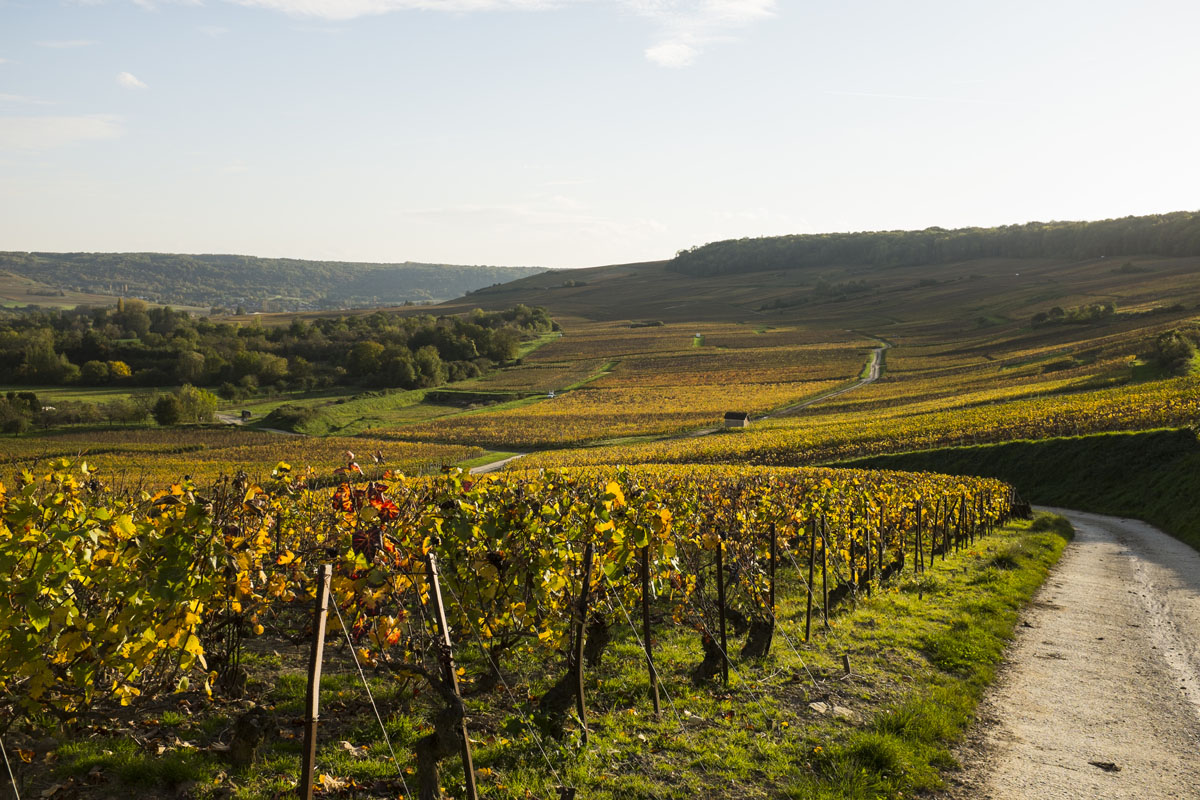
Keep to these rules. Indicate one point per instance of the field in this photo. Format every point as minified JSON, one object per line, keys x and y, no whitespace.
{"x":150,"y":456}
{"x":650,"y":381}
{"x":917,"y":577}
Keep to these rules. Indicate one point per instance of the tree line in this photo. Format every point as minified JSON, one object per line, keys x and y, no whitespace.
{"x":134,"y":345}
{"x":1175,"y":234}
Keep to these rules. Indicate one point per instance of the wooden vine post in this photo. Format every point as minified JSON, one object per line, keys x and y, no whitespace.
{"x":449,"y":674}
{"x":824,"y":572}
{"x":312,"y":700}
{"x":867,"y":545}
{"x":883,"y":543}
{"x":945,"y":529}
{"x":721,"y":609}
{"x":771,"y":585}
{"x":580,"y":629}
{"x":646,"y":631}
{"x":919,"y":566}
{"x":853,"y":550}
{"x":812,"y":549}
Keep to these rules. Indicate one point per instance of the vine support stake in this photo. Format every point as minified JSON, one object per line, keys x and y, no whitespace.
{"x":721,"y":608}
{"x":312,"y":700}
{"x":824,"y":572}
{"x":920,"y":560}
{"x":771,"y":585}
{"x":812,"y":549}
{"x":867,"y":546}
{"x":646,"y":631}
{"x":449,"y":674}
{"x":580,"y":629}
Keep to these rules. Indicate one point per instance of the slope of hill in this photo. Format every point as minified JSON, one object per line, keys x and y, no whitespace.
{"x":276,"y":284}
{"x":1175,"y":234}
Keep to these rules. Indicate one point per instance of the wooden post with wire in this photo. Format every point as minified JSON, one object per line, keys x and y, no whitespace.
{"x":721,"y":608}
{"x":580,"y":631}
{"x":312,"y":700}
{"x":646,"y":631}
{"x":824,"y":572}
{"x":919,"y":566}
{"x":771,"y":585}
{"x":449,"y":673}
{"x":867,"y":536}
{"x":812,"y":549}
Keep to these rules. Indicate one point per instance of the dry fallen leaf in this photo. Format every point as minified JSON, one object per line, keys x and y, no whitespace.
{"x":355,"y":752}
{"x":328,"y":783}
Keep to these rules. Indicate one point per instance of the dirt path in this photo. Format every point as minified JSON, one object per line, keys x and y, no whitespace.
{"x":484,"y":469}
{"x":873,"y":371}
{"x":1100,"y":695}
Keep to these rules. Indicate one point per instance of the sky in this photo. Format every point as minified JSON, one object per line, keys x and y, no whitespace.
{"x":570,"y":133}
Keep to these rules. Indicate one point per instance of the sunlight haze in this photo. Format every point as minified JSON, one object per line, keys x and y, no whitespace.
{"x":569,"y":134}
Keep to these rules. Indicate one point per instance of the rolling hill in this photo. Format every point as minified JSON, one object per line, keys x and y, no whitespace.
{"x":257,"y":284}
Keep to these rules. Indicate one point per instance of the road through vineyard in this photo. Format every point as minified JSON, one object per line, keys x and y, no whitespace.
{"x":1101,"y":697}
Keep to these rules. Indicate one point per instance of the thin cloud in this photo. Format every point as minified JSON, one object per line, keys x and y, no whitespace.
{"x":130,"y":81}
{"x":688,"y":27}
{"x":23,"y":100}
{"x":673,"y":53}
{"x":350,"y":9}
{"x":48,"y":133}
{"x":65,"y":44}
{"x":921,"y":97}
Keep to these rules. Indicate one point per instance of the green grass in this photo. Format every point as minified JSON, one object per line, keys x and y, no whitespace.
{"x":921,"y":652}
{"x":1149,"y":475}
{"x":49,"y":395}
{"x":487,"y":458}
{"x":348,"y":415}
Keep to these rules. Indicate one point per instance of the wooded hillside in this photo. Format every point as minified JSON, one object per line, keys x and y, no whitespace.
{"x":257,"y":284}
{"x":1175,"y":234}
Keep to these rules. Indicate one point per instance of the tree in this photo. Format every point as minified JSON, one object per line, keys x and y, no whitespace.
{"x":196,"y":405}
{"x":1174,"y":352}
{"x":189,"y":366}
{"x":167,"y":410}
{"x":365,"y":358}
{"x":429,"y":365}
{"x":94,"y":373}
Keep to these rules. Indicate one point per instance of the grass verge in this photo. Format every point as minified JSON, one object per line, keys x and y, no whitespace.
{"x":792,"y":725}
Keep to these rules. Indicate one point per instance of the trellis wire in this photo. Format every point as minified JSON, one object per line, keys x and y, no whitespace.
{"x":632,"y":627}
{"x":745,"y":679}
{"x":383,"y":728}
{"x":11,"y":777}
{"x":511,"y":695}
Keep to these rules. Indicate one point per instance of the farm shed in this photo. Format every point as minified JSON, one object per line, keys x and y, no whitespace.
{"x":737,"y":419}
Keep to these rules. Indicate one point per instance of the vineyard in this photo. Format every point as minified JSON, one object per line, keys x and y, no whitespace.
{"x":833,"y":438}
{"x":150,"y":457}
{"x":651,"y":382}
{"x":117,"y":599}
{"x":643,"y":606}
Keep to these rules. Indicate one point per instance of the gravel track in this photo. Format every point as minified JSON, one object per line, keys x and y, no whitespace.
{"x":1100,"y":693}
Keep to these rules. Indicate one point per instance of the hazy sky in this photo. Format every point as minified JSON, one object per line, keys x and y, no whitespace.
{"x":580,"y":132}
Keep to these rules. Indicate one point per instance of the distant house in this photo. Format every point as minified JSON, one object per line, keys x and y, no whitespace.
{"x":737,"y":419}
{"x":245,"y":416}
